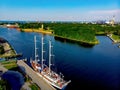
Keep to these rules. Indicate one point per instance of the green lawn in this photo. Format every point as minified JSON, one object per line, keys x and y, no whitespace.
{"x":116,"y":37}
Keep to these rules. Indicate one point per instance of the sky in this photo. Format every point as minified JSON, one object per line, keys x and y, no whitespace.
{"x":59,"y":10}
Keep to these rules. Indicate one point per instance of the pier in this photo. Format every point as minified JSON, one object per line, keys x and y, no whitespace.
{"x":34,"y":76}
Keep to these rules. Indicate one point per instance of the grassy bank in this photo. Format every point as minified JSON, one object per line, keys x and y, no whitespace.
{"x":37,"y":30}
{"x":8,"y":51}
{"x":84,"y":43}
{"x":116,"y":37}
{"x":11,"y":64}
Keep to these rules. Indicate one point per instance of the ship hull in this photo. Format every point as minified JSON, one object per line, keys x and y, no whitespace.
{"x":47,"y":79}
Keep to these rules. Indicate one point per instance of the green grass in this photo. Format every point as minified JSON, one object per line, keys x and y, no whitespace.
{"x":34,"y":87}
{"x":9,"y":64}
{"x":116,"y":37}
{"x":100,"y":33}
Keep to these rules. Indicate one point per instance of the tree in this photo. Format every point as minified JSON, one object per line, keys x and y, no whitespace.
{"x":4,"y":85}
{"x":2,"y":51}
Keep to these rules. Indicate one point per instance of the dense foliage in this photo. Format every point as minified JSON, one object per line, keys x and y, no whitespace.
{"x":2,"y":49}
{"x":30,"y":25}
{"x":83,"y":32}
{"x":4,"y":85}
{"x":79,"y":32}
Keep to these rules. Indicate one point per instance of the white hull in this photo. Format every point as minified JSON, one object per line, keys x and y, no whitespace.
{"x":52,"y":81}
{"x":53,"y":84}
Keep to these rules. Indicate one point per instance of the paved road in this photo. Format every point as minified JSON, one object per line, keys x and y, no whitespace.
{"x":35,"y":78}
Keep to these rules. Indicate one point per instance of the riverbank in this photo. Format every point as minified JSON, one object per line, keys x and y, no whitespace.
{"x":7,"y":50}
{"x":36,"y":30}
{"x":114,"y":38}
{"x":84,"y":43}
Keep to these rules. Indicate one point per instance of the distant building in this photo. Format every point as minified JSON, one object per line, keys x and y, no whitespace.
{"x":42,"y":26}
{"x":100,"y":22}
{"x":111,"y":22}
{"x":12,"y":26}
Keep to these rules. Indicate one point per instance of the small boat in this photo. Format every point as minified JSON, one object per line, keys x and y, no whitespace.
{"x":45,"y":71}
{"x":12,"y":26}
{"x":118,"y":46}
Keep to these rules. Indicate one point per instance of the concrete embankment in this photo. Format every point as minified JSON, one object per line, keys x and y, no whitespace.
{"x":34,"y":76}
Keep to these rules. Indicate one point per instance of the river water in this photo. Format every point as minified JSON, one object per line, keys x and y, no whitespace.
{"x":96,"y":68}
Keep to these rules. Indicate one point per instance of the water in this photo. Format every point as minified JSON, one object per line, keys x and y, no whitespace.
{"x":95,"y":68}
{"x":15,"y":79}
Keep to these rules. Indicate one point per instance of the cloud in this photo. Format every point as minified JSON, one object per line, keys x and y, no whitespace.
{"x":105,"y":12}
{"x":68,"y":15}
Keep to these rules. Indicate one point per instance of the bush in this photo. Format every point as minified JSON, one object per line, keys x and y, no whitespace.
{"x":2,"y":51}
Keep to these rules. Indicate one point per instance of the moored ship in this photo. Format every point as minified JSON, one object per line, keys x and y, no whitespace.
{"x":45,"y":71}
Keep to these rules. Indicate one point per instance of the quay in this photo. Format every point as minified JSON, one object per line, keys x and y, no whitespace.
{"x":34,"y":76}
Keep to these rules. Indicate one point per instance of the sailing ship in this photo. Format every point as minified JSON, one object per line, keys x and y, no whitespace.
{"x":44,"y":71}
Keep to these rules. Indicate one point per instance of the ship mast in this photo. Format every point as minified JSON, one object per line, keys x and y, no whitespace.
{"x":36,"y":55}
{"x":42,"y":56}
{"x":50,"y":56}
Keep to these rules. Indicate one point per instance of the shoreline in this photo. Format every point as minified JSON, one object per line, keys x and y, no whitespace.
{"x":36,"y":30}
{"x":76,"y":41}
{"x":50,"y":32}
{"x":114,"y":41}
{"x":9,"y":51}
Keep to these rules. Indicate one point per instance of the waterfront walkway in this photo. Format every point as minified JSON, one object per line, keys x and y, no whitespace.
{"x":35,"y":78}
